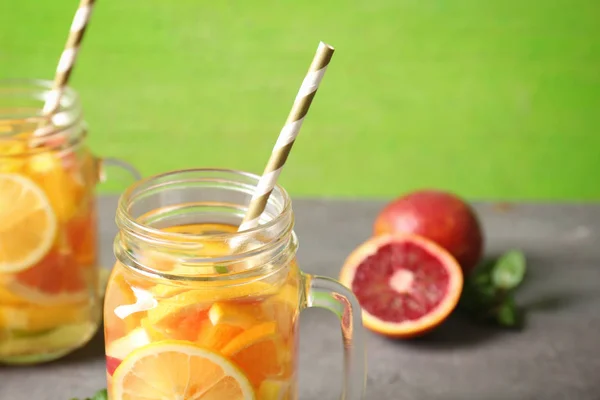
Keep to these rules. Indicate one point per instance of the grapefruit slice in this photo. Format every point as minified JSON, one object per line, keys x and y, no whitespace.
{"x":53,"y":280}
{"x":405,"y":284}
{"x":178,"y":370}
{"x":27,"y":223}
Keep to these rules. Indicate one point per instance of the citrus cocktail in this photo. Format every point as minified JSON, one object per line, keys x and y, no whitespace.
{"x":195,"y":310}
{"x":48,"y":299}
{"x":243,"y":332}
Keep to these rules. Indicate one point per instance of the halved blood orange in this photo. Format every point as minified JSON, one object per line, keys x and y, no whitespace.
{"x":405,"y":284}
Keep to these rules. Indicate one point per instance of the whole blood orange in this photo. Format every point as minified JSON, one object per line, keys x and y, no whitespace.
{"x":439,"y":216}
{"x":405,"y":284}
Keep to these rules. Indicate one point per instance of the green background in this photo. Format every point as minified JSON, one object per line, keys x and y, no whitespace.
{"x":489,"y":98}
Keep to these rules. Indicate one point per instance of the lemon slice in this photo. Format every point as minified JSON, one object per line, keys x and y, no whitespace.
{"x":178,"y":370}
{"x":27,"y":223}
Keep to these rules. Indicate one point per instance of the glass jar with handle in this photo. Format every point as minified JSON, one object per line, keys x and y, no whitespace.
{"x":49,"y":302}
{"x":196,"y":310}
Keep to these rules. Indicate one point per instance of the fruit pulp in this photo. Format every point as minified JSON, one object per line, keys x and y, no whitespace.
{"x":406,"y":285}
{"x":48,"y":298}
{"x":249,"y":325}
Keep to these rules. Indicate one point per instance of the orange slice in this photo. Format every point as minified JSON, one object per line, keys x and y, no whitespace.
{"x":63,"y":190}
{"x":27,"y":223}
{"x":236,"y":314}
{"x":181,"y":305}
{"x":215,"y":337}
{"x":259,"y":351}
{"x":178,"y":370}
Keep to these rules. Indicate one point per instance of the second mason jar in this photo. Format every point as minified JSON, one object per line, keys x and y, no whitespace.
{"x":49,"y":300}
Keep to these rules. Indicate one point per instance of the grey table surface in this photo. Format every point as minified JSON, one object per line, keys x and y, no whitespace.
{"x":556,"y":356}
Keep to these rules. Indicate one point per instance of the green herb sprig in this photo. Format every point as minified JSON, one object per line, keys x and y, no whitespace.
{"x":100,"y":395}
{"x":488,"y":293}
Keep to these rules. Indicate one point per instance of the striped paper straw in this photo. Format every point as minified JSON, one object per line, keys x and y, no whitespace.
{"x":287,"y":136}
{"x":67,"y":60}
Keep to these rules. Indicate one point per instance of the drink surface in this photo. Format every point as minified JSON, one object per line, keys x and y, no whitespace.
{"x":48,"y":300}
{"x":233,"y":338}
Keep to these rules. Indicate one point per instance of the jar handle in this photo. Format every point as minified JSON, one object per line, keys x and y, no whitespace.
{"x":101,"y":163}
{"x":331,"y":295}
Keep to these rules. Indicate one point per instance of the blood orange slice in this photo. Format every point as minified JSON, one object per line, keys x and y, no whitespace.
{"x":405,"y":284}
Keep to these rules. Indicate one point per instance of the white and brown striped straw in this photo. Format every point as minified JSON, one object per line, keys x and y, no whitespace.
{"x":67,"y":61}
{"x":287,"y":136}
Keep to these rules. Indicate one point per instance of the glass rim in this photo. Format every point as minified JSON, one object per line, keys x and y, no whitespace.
{"x":146,"y":237}
{"x":129,"y":195}
{"x":68,"y":115}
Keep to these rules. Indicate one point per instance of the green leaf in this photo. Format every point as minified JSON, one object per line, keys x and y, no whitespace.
{"x":100,"y":395}
{"x":509,"y":270}
{"x":507,"y":314}
{"x":221,"y":269}
{"x":488,"y":292}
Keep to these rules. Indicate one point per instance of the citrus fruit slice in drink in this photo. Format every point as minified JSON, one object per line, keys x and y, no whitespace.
{"x":119,"y":293}
{"x":82,"y":235}
{"x":273,"y":389}
{"x":13,"y":155}
{"x":405,"y":284}
{"x":27,"y":223}
{"x":243,"y":315}
{"x":282,"y":308}
{"x":178,"y":370}
{"x":63,"y":190}
{"x":178,"y":317}
{"x":39,"y":318}
{"x":259,"y":351}
{"x":61,"y":338}
{"x":216,"y":337}
{"x":117,"y":350}
{"x":51,"y":281}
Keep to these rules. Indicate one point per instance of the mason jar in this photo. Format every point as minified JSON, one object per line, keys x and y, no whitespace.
{"x":195,"y":309}
{"x":49,"y":298}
